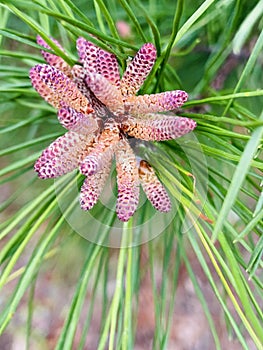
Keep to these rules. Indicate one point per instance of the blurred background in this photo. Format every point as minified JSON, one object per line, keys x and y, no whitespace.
{"x":192,"y":289}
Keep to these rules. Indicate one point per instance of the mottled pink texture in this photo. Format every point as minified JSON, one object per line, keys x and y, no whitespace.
{"x":138,"y":70}
{"x":107,"y":93}
{"x":127,"y":180}
{"x":87,"y":54}
{"x":54,"y":60}
{"x":76,"y":121}
{"x":79,"y":78}
{"x":162,"y":102}
{"x":101,"y":110}
{"x":93,"y":185}
{"x":63,"y":155}
{"x":158,"y":128}
{"x":103,"y":149}
{"x":96,"y":60}
{"x":55,"y":87}
{"x":107,"y":66}
{"x":153,"y":188}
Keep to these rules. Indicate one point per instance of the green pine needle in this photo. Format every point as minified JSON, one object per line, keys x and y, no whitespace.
{"x":213,"y":237}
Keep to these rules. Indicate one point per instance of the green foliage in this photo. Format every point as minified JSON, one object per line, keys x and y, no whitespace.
{"x":213,"y":50}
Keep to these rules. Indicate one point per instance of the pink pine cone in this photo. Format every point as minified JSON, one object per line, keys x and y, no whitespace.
{"x":101,"y":111}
